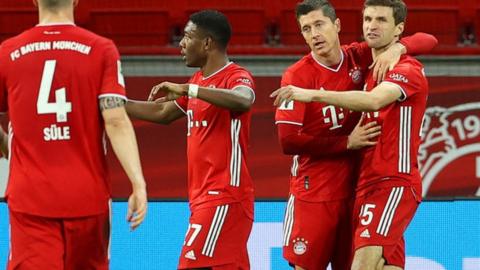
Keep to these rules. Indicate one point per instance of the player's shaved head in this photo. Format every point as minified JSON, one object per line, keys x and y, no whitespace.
{"x":214,"y":24}
{"x":54,"y":4}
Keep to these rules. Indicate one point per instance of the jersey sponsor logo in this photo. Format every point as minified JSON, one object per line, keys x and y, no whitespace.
{"x":450,"y":146}
{"x":191,"y":123}
{"x":356,"y":75}
{"x":365,"y":234}
{"x":299,"y":246}
{"x":398,"y":77}
{"x":331,"y":116}
{"x":190,"y":255}
{"x":244,"y":81}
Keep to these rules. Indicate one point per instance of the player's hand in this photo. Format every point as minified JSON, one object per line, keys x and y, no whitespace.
{"x":289,"y":93}
{"x":137,"y":207}
{"x":363,"y":135}
{"x":172,"y":91}
{"x":386,"y":61}
{"x":3,"y":143}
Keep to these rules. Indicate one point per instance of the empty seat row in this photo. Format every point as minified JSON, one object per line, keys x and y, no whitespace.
{"x":153,"y":23}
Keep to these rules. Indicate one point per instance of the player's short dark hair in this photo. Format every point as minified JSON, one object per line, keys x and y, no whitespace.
{"x":215,"y":24}
{"x":52,"y":4}
{"x":398,"y":6}
{"x":308,"y":6}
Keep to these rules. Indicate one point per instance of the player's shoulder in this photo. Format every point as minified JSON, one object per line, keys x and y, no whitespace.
{"x":408,"y":62}
{"x":86,"y":34}
{"x":306,"y":63}
{"x":234,"y":68}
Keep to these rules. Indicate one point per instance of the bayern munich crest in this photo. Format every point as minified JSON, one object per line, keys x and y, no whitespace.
{"x":356,"y":75}
{"x":449,"y":156}
{"x":299,"y":246}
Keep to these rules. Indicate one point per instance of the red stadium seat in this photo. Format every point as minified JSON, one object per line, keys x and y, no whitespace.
{"x":146,"y":27}
{"x":444,"y":23}
{"x":15,"y":21}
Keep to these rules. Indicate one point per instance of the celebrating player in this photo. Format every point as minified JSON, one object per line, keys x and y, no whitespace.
{"x":63,"y":89}
{"x":317,"y":221}
{"x":389,"y":187}
{"x":217,"y":103}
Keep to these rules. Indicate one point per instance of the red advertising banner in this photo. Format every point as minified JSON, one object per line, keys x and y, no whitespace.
{"x":449,"y":157}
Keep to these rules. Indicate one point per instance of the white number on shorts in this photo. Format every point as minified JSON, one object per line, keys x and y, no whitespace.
{"x":196,"y":230}
{"x":60,"y":107}
{"x":366,"y":214}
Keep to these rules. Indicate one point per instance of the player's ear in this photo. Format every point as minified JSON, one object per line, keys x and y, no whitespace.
{"x":208,"y":43}
{"x":399,"y":29}
{"x":35,"y":3}
{"x":338,"y":25}
{"x":75,"y":3}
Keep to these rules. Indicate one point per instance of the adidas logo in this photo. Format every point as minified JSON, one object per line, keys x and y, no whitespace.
{"x":365,"y":234}
{"x":190,"y":255}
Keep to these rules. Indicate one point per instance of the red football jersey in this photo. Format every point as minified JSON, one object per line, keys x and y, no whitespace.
{"x":331,"y":177}
{"x":393,"y":161}
{"x":52,"y":77}
{"x":217,"y":144}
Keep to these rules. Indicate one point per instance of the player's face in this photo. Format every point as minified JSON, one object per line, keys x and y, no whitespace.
{"x":193,"y":46}
{"x":319,"y":32}
{"x":379,"y":27}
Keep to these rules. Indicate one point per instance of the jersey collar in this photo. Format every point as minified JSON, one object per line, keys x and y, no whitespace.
{"x":218,"y":71}
{"x":327,"y":67}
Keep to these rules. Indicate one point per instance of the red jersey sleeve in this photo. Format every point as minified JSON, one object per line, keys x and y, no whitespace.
{"x":405,"y":78}
{"x":419,"y":43}
{"x":290,"y":112}
{"x":240,"y":78}
{"x":113,"y":82}
{"x":182,"y":103}
{"x":361,"y":53}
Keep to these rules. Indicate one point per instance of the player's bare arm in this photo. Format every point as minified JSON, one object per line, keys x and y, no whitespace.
{"x":122,"y":137}
{"x":154,"y":111}
{"x":3,"y":142}
{"x":356,"y":100}
{"x":239,"y":98}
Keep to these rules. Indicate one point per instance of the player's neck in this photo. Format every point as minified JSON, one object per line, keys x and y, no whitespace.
{"x":380,"y":50}
{"x":332,"y":59}
{"x":53,"y":17}
{"x":214,"y":63}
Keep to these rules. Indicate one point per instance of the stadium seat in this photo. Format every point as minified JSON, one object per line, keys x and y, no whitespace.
{"x":141,"y":27}
{"x":444,"y":23}
{"x":15,"y":21}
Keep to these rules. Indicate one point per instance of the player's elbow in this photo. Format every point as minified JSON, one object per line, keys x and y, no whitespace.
{"x":374,"y":104}
{"x":243,"y":105}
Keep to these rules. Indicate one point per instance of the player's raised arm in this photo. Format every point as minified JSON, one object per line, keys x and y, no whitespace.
{"x":153,"y":111}
{"x":416,"y":44}
{"x":240,"y":98}
{"x":3,"y":142}
{"x":122,"y":137}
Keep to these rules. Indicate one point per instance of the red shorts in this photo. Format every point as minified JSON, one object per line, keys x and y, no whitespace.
{"x":318,"y":233}
{"x":381,"y":216}
{"x":53,"y":243}
{"x":217,"y":238}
